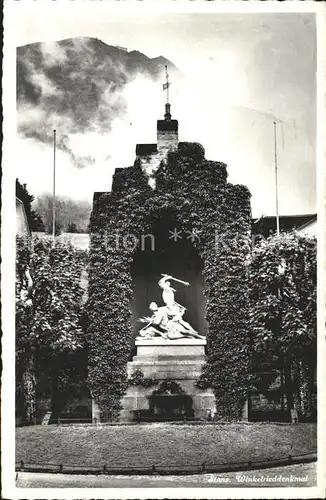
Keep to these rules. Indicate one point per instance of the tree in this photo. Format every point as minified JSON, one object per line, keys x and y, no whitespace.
{"x":58,"y":228}
{"x":282,"y":274}
{"x":34,"y":219}
{"x":72,"y":228}
{"x":68,"y":212}
{"x":48,"y":311}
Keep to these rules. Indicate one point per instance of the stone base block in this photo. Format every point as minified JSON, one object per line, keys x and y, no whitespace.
{"x":178,"y":360}
{"x":135,"y":402}
{"x":161,"y":370}
{"x":203,"y":402}
{"x":159,"y":348}
{"x":126,"y":416}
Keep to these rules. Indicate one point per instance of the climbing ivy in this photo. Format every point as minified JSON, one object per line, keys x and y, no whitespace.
{"x":138,"y":378}
{"x":196,"y":191}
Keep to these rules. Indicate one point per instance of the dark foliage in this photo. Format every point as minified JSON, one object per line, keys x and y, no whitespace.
{"x":283,"y":279}
{"x":33,"y":218}
{"x":48,"y":314}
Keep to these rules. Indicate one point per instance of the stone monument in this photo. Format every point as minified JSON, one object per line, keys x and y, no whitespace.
{"x":173,"y":210}
{"x":168,"y":349}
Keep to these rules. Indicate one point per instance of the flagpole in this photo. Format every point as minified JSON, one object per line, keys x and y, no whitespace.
{"x":276,"y":183}
{"x":53,"y":198}
{"x":167,"y":84}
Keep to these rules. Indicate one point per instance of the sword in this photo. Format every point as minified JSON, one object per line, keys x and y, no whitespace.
{"x":176,"y":279}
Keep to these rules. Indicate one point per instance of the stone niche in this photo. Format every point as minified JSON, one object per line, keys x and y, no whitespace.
{"x":162,"y":254}
{"x":178,"y":360}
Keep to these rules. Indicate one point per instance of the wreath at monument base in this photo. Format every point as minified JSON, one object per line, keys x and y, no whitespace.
{"x":169,"y":387}
{"x":170,"y":399}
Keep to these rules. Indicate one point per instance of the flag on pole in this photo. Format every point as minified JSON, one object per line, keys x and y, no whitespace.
{"x":167,"y":84}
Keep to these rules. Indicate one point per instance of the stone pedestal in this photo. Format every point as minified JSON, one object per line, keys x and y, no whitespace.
{"x":179,"y":360}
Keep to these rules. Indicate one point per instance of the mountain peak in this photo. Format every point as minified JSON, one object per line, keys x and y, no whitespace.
{"x":81,"y":81}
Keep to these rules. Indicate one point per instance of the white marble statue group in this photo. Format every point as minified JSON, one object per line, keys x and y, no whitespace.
{"x":166,"y":321}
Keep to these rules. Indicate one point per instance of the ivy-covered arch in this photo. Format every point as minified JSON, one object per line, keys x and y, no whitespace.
{"x":219,"y":213}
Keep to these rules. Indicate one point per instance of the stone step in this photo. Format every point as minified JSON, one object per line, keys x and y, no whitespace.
{"x":172,"y":374}
{"x":160,"y":341}
{"x":169,"y":358}
{"x":169,"y":349}
{"x":165,"y":362}
{"x":157,"y":365}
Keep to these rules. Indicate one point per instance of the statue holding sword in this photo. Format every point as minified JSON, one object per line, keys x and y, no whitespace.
{"x":167,"y":320}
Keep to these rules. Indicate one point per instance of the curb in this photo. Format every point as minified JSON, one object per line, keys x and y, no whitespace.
{"x":166,"y":470}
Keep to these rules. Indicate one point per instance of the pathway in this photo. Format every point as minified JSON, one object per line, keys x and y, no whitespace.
{"x":290,"y":475}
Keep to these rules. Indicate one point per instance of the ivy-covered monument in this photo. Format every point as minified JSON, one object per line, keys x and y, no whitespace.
{"x":173,"y":212}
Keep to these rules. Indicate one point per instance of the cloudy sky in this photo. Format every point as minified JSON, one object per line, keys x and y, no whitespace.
{"x":241,"y":73}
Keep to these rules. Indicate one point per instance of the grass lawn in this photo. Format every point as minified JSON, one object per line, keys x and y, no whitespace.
{"x":162,"y":444}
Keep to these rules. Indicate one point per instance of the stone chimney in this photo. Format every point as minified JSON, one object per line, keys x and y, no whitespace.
{"x":167,"y":132}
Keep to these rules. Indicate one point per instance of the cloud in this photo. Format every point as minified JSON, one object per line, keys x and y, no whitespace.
{"x":77,"y":92}
{"x":101,"y":114}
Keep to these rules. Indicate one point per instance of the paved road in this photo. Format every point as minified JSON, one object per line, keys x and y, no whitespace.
{"x":279,"y":476}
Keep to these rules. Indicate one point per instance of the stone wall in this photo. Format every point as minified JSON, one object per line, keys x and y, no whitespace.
{"x":151,"y":155}
{"x":167,"y":140}
{"x":22,"y":227}
{"x":149,"y":165}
